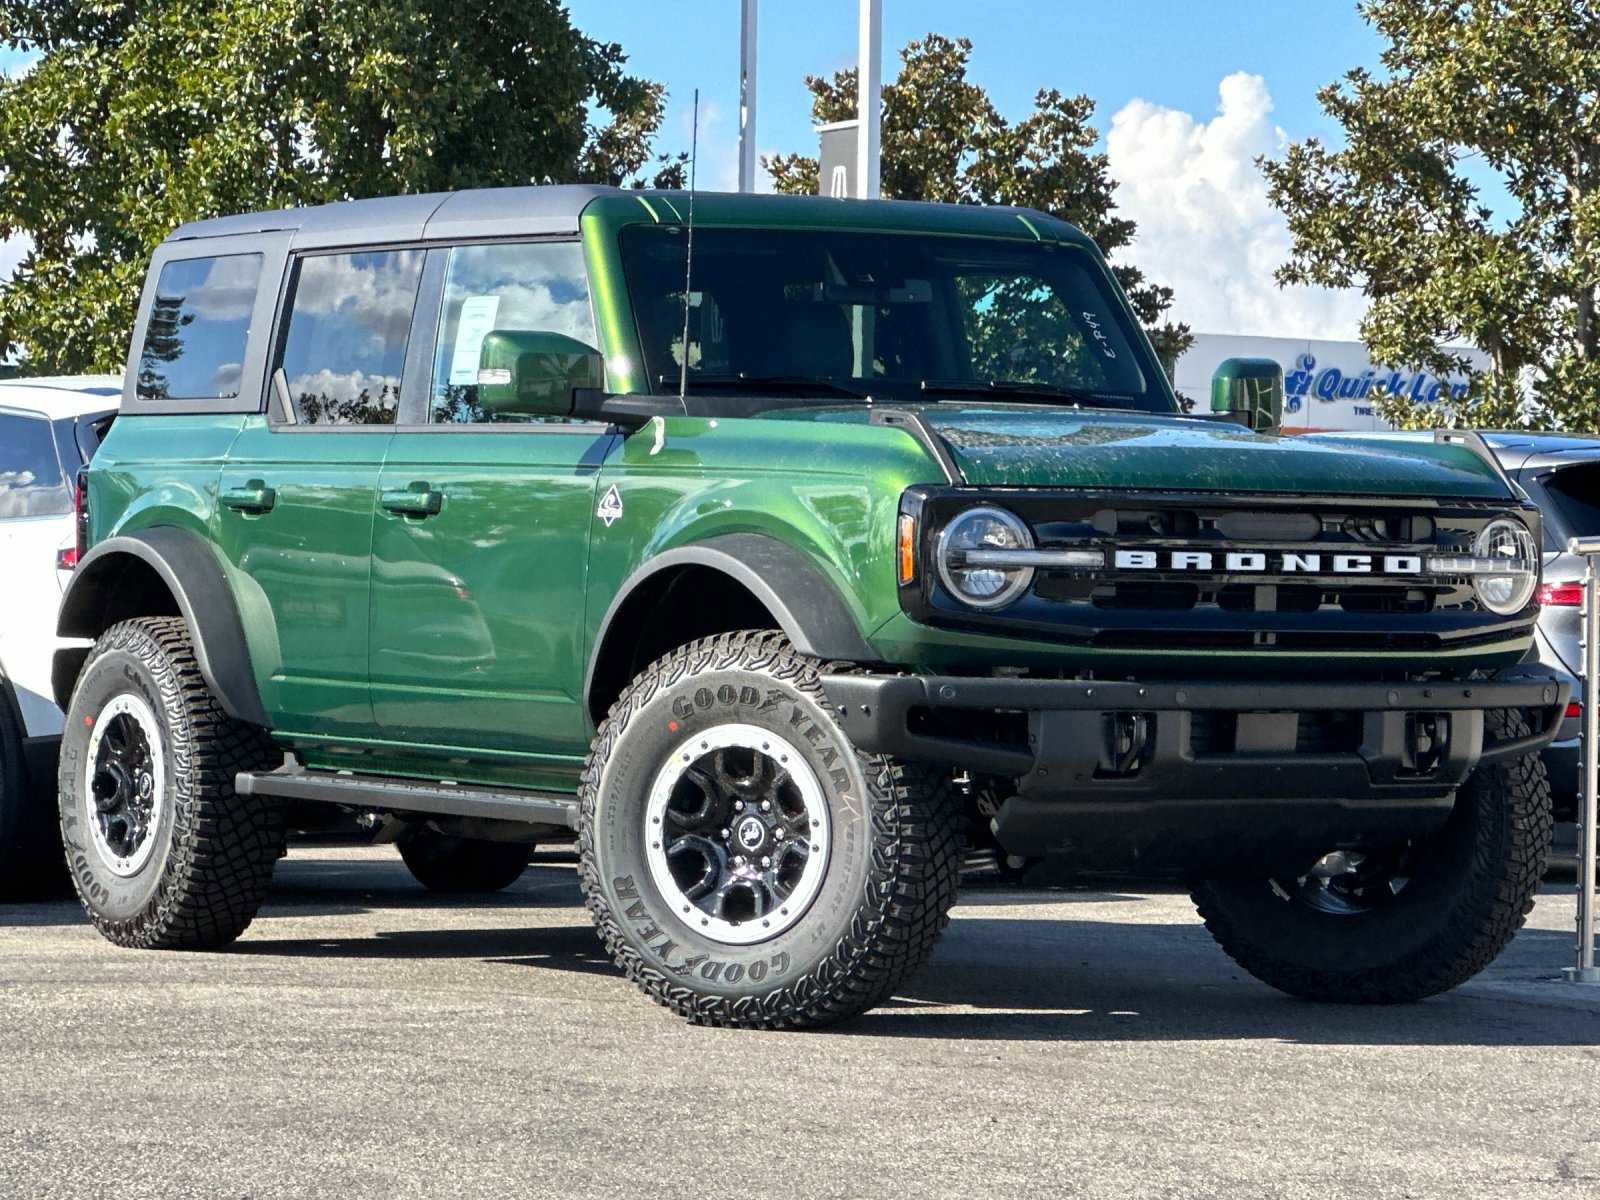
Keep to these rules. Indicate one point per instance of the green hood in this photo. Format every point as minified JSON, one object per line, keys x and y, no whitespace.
{"x":1015,"y":446}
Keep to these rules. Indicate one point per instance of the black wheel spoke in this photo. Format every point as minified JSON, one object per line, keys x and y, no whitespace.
{"x":697,"y":801}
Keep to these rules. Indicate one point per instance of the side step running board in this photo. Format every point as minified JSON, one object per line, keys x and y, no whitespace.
{"x":294,"y":782}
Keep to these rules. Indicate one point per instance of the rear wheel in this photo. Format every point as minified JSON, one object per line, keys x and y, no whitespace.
{"x":442,"y":863}
{"x":163,"y":853}
{"x":743,"y":863}
{"x":1385,"y":924}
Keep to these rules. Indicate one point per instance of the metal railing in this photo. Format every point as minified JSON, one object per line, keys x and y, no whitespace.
{"x":1585,"y":971}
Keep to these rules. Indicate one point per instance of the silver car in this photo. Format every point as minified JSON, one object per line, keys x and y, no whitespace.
{"x":1561,"y":474}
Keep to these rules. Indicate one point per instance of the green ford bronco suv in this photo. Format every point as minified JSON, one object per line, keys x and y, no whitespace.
{"x":772,"y":551}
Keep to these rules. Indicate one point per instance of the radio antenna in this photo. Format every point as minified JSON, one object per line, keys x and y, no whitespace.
{"x":688,"y":258}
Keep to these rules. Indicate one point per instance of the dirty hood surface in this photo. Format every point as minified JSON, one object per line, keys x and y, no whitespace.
{"x":1031,"y":446}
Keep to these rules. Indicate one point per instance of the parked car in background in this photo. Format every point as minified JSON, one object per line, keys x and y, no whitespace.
{"x":49,"y":428}
{"x":1561,"y":474}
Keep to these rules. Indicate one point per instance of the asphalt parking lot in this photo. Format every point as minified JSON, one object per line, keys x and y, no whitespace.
{"x":366,"y":1039}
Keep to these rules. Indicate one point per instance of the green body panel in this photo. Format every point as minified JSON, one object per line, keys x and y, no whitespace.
{"x":159,"y":472}
{"x":477,"y":614}
{"x":831,"y":491}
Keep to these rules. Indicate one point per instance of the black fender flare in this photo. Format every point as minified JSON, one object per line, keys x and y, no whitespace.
{"x":188,"y":566}
{"x":803,"y":600}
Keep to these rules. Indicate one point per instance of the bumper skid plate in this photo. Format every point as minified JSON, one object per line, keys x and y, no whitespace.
{"x":1185,"y":778}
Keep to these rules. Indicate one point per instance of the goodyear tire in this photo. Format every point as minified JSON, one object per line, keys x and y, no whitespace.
{"x":1420,"y":919}
{"x":743,"y":863}
{"x":162,"y":852}
{"x":459,"y":866}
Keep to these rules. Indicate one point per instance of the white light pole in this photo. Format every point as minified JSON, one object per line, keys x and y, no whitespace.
{"x":869,"y":80}
{"x":747,"y":96}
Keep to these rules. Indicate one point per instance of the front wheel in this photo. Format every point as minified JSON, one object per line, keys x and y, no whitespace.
{"x":743,"y":862}
{"x":1388,"y":924}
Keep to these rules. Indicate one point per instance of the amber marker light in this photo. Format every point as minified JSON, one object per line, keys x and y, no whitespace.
{"x":907,"y":548}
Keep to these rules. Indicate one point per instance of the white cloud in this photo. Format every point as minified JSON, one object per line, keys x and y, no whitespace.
{"x":1206,"y":228}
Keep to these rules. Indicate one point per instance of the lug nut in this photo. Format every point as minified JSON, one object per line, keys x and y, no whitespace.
{"x":765,"y":861}
{"x":766,"y":806}
{"x":724,"y":835}
{"x":738,"y":806}
{"x":777,"y":834}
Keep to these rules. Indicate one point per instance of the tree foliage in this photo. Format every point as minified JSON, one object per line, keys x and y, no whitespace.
{"x":140,"y":115}
{"x":1510,"y":87}
{"x":944,"y":140}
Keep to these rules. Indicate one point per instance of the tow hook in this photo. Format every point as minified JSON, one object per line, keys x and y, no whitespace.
{"x":1129,"y":738}
{"x":1427,"y":739}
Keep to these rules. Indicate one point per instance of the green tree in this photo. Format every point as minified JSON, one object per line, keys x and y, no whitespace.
{"x":140,"y":115}
{"x":944,"y":140}
{"x":1510,"y":87}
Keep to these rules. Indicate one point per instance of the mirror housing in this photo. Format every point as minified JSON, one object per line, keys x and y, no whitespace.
{"x":1249,"y":391}
{"x":535,"y":372}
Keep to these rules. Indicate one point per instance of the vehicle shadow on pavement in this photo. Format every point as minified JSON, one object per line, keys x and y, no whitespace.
{"x":1093,"y":981}
{"x":566,"y":947}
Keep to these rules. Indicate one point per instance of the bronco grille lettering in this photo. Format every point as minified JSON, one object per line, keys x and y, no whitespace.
{"x":1258,"y":562}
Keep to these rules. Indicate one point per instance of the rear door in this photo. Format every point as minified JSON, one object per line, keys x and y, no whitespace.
{"x":35,"y":514}
{"x":478,"y":604}
{"x":297,"y":495}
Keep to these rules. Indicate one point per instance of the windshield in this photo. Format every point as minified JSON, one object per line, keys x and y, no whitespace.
{"x":899,"y":316}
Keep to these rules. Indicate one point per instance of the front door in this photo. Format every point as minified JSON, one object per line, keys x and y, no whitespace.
{"x":481,"y":539}
{"x":297,"y":497}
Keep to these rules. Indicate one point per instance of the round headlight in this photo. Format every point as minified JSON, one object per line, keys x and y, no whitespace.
{"x":1507,"y":541}
{"x":986,"y":585}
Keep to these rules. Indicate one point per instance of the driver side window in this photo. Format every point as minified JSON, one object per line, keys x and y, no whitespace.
{"x":536,"y":287}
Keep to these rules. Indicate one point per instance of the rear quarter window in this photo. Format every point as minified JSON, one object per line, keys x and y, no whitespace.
{"x":195,"y":339}
{"x":31,"y":482}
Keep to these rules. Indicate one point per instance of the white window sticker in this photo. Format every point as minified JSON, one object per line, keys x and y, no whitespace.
{"x":478,"y":314}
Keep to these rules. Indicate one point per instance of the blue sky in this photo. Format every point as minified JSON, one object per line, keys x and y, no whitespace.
{"x":1164,"y":51}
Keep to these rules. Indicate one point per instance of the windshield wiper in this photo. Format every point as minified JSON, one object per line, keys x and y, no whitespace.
{"x":789,"y":385}
{"x":1026,"y":389}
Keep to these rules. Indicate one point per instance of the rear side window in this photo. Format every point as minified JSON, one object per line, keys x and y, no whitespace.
{"x":1576,"y":493}
{"x":199,"y":325}
{"x":31,"y":483}
{"x":349,"y":322}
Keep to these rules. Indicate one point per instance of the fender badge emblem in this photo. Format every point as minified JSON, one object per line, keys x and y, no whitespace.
{"x":610,"y":510}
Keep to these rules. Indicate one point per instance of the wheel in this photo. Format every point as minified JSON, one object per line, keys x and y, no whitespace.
{"x":743,"y":863}
{"x":1388,"y":924}
{"x":442,"y":863}
{"x":163,"y":854}
{"x":30,"y":851}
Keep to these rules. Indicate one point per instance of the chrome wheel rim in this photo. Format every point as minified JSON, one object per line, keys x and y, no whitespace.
{"x":1347,"y":883}
{"x":736,"y":833}
{"x":123,"y":796}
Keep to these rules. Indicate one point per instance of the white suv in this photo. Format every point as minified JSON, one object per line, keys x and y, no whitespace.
{"x":48,"y":429}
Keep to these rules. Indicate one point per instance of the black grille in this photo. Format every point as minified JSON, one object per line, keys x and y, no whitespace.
{"x":1171,"y":601}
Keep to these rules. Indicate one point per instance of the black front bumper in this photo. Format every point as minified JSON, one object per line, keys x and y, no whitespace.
{"x":1201,"y":776}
